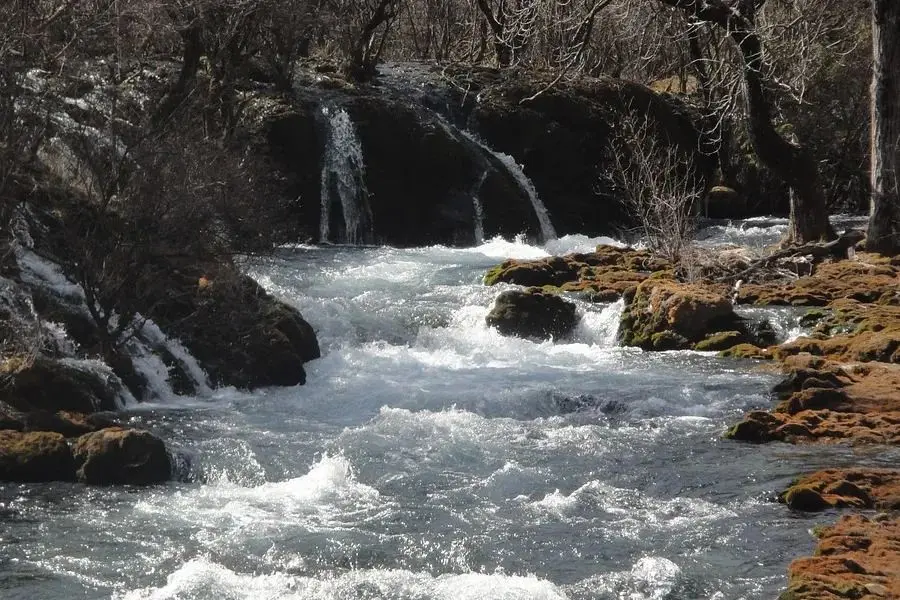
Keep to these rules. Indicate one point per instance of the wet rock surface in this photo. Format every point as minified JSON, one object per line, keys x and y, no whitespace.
{"x":35,"y":457}
{"x":845,"y":488}
{"x":532,"y":313}
{"x":117,"y":456}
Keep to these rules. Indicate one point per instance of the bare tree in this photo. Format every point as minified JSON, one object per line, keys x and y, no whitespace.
{"x":786,"y":157}
{"x":884,"y":223}
{"x":658,"y":185}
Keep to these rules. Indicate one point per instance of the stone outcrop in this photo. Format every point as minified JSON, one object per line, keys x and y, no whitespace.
{"x":35,"y":457}
{"x":239,"y":333}
{"x":428,"y":138}
{"x":857,"y":558}
{"x":49,"y":384}
{"x":601,"y":276}
{"x":121,"y":456}
{"x":668,"y":315}
{"x":845,"y":488}
{"x":871,"y":278}
{"x":823,"y":401}
{"x":532,"y":313}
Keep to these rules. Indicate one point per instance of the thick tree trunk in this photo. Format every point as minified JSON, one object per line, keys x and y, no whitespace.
{"x":790,"y":161}
{"x":884,"y":221}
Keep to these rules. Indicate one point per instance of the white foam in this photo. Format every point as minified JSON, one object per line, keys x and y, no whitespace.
{"x":327,"y":496}
{"x":151,"y":332}
{"x":201,"y":578}
{"x":577,"y":243}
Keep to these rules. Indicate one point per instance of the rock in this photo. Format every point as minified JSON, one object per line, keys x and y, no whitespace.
{"x":747,"y":351}
{"x":856,"y":558}
{"x":53,"y":385}
{"x":722,"y":340}
{"x":848,"y":488}
{"x":532,"y":313}
{"x":239,"y":334}
{"x":857,"y":332}
{"x":601,"y":276}
{"x":758,"y":426}
{"x":667,"y":315}
{"x":552,"y":134}
{"x":553,"y":271}
{"x":868,"y":279}
{"x":35,"y":457}
{"x":805,"y":499}
{"x":121,"y":456}
{"x":823,"y":401}
{"x":723,"y":202}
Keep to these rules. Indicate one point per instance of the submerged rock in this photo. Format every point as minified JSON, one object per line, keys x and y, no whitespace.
{"x":532,"y":313}
{"x":121,"y":456}
{"x":35,"y":457}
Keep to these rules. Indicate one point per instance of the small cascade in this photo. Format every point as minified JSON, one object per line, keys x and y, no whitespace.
{"x":516,"y":170}
{"x":343,"y":179}
{"x":518,"y":174}
{"x":153,"y":335}
{"x":479,"y":209}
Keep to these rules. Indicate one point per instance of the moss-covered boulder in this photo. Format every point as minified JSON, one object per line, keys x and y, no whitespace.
{"x":845,"y":488}
{"x":35,"y":457}
{"x":667,"y":315}
{"x":601,"y":276}
{"x":121,"y":456}
{"x":532,"y":313}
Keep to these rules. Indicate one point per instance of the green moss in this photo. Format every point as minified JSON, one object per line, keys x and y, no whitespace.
{"x":668,"y":340}
{"x":492,"y":277}
{"x":748,"y":351}
{"x":720,"y":341}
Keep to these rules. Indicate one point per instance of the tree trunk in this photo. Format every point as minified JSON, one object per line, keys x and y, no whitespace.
{"x":884,"y":221}
{"x":790,"y":161}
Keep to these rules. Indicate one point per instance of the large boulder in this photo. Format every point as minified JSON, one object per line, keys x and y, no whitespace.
{"x":532,"y":313}
{"x":239,"y":333}
{"x":121,"y":456}
{"x":35,"y":457}
{"x":668,"y":315}
{"x":42,"y":383}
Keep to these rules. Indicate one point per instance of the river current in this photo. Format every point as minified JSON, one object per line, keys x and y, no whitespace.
{"x":430,"y":458}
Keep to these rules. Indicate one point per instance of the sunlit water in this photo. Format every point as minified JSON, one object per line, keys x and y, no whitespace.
{"x":430,"y":458}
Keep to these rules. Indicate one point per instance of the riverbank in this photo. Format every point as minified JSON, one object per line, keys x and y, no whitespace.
{"x":841,"y":377}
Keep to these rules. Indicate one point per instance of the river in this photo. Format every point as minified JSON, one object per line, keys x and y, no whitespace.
{"x":430,"y":458}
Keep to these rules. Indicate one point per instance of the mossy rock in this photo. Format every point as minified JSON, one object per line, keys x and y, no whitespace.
{"x":35,"y":457}
{"x":720,"y":341}
{"x":746,"y":351}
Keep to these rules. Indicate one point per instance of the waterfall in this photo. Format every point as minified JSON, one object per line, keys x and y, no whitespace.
{"x":516,"y":170}
{"x":518,"y":174}
{"x":159,"y":341}
{"x":343,"y":177}
{"x":479,"y":209}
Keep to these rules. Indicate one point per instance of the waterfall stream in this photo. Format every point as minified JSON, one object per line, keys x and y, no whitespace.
{"x":343,"y":180}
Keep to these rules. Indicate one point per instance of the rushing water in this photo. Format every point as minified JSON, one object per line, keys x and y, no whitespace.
{"x":430,"y":458}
